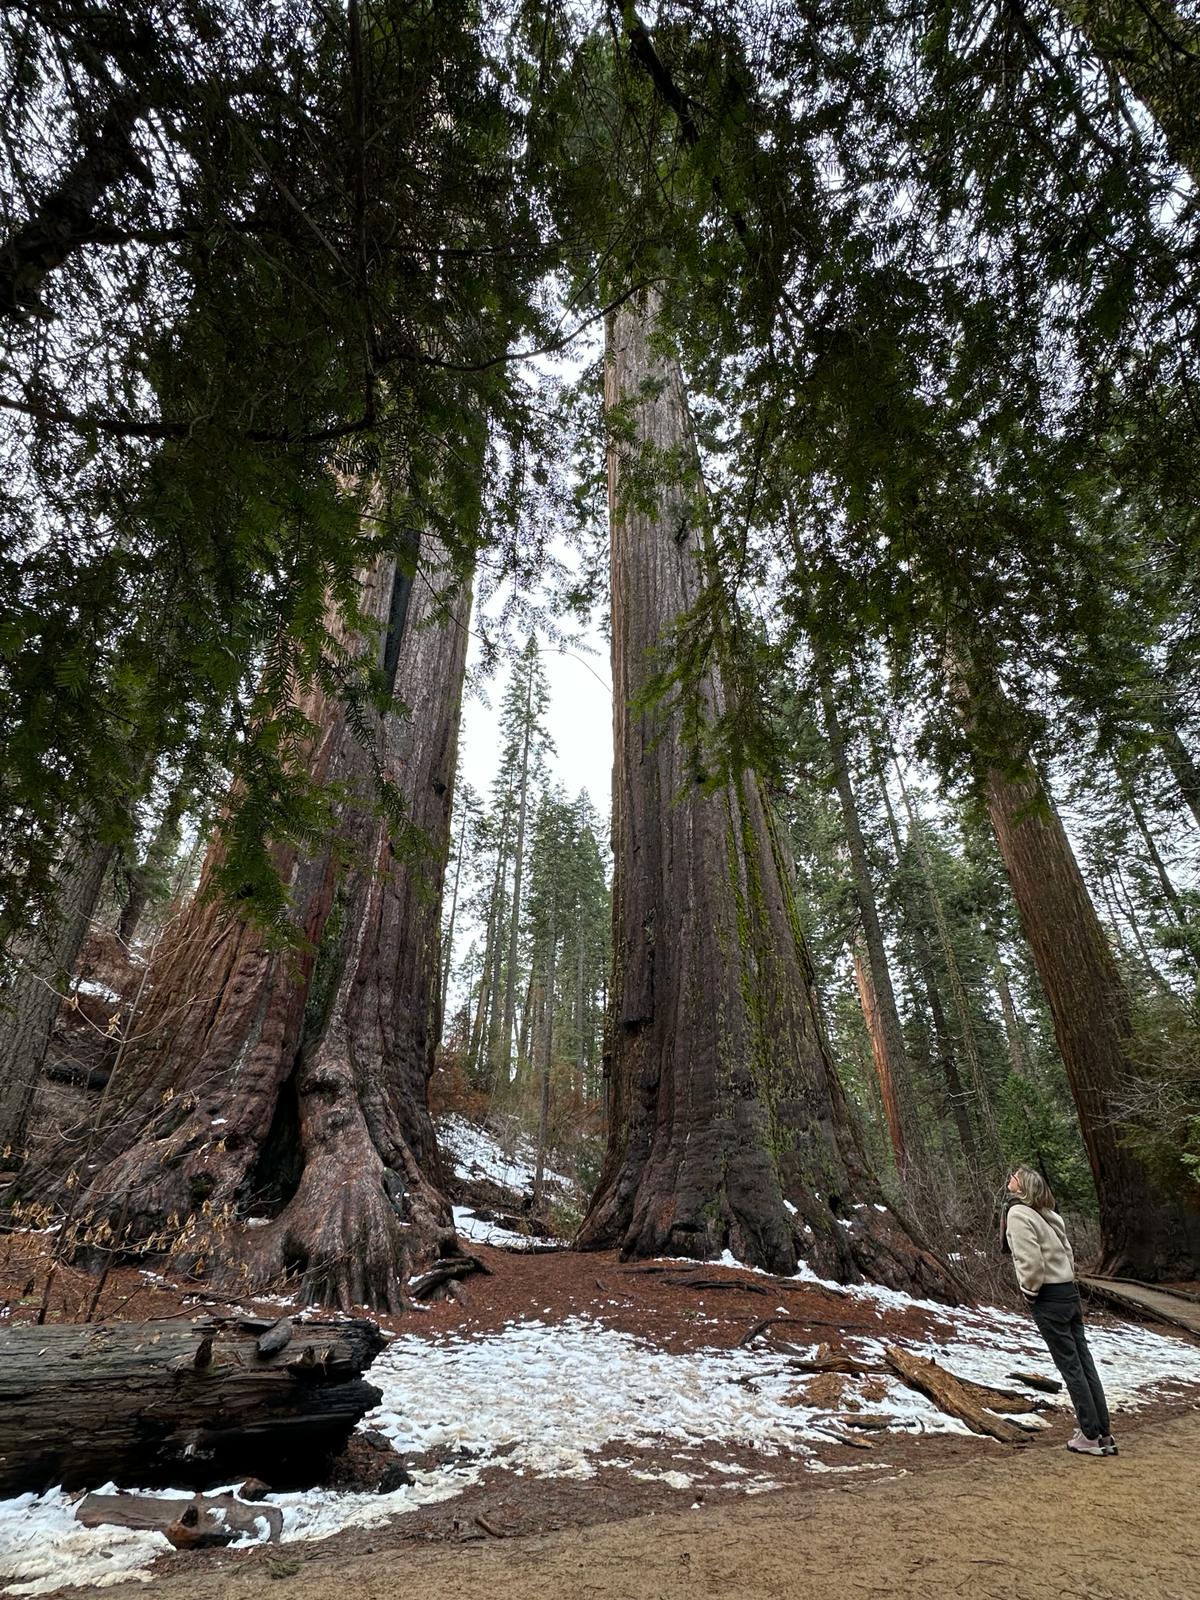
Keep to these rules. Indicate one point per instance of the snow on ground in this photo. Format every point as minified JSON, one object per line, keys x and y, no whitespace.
{"x":98,"y":991}
{"x":468,"y":1226}
{"x":42,"y":1546}
{"x":563,"y":1399}
{"x":477,"y":1153}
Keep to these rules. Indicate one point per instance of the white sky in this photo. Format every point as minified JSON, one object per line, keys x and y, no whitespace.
{"x":579,"y":720}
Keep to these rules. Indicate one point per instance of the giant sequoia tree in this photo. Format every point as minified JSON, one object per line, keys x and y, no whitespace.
{"x":729,"y":1127}
{"x":291,"y":1085}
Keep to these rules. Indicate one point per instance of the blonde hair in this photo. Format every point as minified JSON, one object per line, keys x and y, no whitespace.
{"x":1033,"y":1190}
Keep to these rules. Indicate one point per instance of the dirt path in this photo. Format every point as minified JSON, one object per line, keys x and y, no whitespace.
{"x":1034,"y":1525}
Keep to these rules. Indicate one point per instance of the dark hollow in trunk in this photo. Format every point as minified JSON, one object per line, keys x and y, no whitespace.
{"x":189,"y":1405}
{"x":729,"y":1127}
{"x":294,"y":1086}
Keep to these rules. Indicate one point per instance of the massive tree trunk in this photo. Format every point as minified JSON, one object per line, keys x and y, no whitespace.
{"x":728,"y":1126}
{"x":1146,"y":1232}
{"x":1156,"y":50}
{"x":41,"y":965}
{"x":293,"y":1086}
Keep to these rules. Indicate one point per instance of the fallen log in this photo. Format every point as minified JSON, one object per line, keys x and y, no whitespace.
{"x":1035,"y":1380}
{"x":443,"y":1273}
{"x":953,"y":1395}
{"x":204,"y":1521}
{"x":797,"y":1321}
{"x":187,"y":1405}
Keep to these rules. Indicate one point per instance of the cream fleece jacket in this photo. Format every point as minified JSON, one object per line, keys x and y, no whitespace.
{"x":1040,"y":1248}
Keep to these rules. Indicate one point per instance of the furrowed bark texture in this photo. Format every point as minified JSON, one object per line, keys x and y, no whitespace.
{"x":294,"y":1086}
{"x":1145,"y":1232}
{"x":869,"y":1002}
{"x":724,"y":1106}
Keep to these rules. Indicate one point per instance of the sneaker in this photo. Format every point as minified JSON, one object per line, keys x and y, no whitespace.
{"x":1110,"y":1444}
{"x":1083,"y":1446}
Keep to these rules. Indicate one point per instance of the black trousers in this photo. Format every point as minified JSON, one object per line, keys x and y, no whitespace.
{"x":1059,"y":1317}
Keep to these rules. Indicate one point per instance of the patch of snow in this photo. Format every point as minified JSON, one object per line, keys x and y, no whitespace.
{"x":673,"y":1480}
{"x":99,"y":991}
{"x":554,"y":1400}
{"x":43,"y":1547}
{"x":476,"y":1153}
{"x":468,"y":1226}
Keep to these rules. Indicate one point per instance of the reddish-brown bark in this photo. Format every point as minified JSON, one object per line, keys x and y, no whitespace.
{"x":729,"y":1128}
{"x":293,"y":1085}
{"x":879,"y":1054}
{"x":1146,"y":1231}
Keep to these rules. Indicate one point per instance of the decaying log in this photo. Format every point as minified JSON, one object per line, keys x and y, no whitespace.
{"x":800,"y":1322}
{"x":444,"y":1272}
{"x":829,"y":1359}
{"x":835,"y":1432}
{"x":1035,"y":1380}
{"x":205,"y":1521}
{"x":952,"y":1394}
{"x":171,"y":1403}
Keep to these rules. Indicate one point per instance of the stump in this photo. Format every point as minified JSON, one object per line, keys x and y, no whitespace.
{"x":189,"y":1405}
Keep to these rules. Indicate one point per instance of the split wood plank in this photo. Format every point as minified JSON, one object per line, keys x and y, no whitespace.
{"x":1161,"y":1305}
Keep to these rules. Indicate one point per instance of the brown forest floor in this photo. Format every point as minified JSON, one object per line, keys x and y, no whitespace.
{"x":1036,"y":1525}
{"x":948,"y":1515}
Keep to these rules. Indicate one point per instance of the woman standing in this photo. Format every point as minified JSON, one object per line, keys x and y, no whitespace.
{"x":1045,"y":1267}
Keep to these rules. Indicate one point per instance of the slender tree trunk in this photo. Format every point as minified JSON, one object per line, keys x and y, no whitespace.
{"x":547,"y":1060}
{"x":525,"y":1033}
{"x":1155,"y":48}
{"x":1012,"y":1023}
{"x":478,"y":1051}
{"x":1183,"y":768}
{"x":296,"y":1085}
{"x":448,"y":950}
{"x":1190,"y":942}
{"x":958,"y":991}
{"x":725,"y":1108}
{"x":499,"y":942}
{"x":514,"y":924}
{"x":883,"y":1018}
{"x":580,"y":1021}
{"x":158,"y":853}
{"x":41,"y":965}
{"x":1145,"y":1231}
{"x":956,"y":1094}
{"x":880,"y":1054}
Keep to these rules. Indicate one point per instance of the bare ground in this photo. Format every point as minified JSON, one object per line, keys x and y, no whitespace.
{"x":1036,"y":1525}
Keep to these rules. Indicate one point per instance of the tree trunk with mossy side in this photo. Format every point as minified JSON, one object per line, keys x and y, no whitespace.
{"x":728,"y":1126}
{"x":294,"y":1085}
